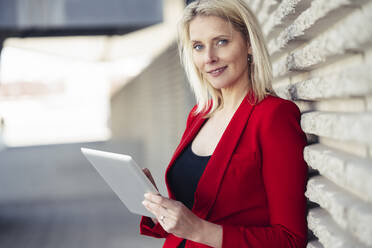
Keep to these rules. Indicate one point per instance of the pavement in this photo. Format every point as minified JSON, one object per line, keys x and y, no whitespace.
{"x":75,"y":223}
{"x":51,"y":197}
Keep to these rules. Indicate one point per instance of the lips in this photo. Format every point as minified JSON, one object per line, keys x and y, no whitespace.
{"x":217,"y":71}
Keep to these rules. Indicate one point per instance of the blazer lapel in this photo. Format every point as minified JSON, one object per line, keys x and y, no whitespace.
{"x":191,"y":133}
{"x":210,"y":181}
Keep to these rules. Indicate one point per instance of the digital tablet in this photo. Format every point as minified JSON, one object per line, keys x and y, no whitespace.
{"x":124,"y":176}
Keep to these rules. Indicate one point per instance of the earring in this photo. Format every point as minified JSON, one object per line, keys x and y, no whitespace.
{"x":250,"y":58}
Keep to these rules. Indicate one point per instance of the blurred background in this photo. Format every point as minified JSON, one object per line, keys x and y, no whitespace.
{"x":64,"y":65}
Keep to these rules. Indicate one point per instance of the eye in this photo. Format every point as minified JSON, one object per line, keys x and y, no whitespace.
{"x":222,"y":42}
{"x":198,"y":47}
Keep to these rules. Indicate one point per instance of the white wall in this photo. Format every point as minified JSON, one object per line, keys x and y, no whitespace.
{"x":322,"y":57}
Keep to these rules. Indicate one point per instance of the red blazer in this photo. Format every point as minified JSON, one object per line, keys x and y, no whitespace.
{"x":254,"y":183}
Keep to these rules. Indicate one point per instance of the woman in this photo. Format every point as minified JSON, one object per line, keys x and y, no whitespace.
{"x":237,"y":178}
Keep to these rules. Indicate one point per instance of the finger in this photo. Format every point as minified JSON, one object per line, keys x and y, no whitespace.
{"x":163,"y":217}
{"x":155,"y":209}
{"x":157,"y":198}
{"x":169,"y":204}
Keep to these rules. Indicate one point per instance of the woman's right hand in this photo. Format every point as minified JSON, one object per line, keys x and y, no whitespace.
{"x":149,"y":176}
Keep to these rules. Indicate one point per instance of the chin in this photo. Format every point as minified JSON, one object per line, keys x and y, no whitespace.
{"x":220,"y":85}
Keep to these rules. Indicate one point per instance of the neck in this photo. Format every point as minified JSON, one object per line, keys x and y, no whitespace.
{"x":232,"y":97}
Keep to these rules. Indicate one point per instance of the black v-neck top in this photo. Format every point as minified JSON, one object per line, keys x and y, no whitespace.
{"x":185,"y":174}
{"x":184,"y":177}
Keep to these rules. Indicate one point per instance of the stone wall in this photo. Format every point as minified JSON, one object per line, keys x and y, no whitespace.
{"x":322,"y":59}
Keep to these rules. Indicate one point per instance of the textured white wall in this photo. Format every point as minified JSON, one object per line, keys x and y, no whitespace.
{"x":322,"y":60}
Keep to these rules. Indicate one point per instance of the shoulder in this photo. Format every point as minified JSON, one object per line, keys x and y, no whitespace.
{"x":279,"y":120}
{"x":273,"y":105}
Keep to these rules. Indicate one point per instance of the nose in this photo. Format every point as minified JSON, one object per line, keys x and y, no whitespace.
{"x":210,"y":56}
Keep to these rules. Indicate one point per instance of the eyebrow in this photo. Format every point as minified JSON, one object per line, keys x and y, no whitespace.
{"x":215,"y":38}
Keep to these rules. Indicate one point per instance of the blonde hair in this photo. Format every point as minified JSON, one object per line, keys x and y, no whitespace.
{"x":243,"y":20}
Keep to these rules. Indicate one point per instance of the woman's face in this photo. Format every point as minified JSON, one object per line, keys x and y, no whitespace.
{"x":220,"y":53}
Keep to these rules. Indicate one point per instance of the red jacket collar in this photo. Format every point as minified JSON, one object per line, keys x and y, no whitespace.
{"x":210,"y":181}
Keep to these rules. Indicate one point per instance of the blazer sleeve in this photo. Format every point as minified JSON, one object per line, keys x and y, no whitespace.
{"x":147,"y":226}
{"x":284,"y":174}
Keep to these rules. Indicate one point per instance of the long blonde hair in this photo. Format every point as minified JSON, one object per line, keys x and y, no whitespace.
{"x":243,"y":20}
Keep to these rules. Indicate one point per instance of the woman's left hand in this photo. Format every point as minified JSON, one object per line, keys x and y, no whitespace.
{"x":174,"y":216}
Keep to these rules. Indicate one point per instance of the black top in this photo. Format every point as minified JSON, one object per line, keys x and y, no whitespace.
{"x":184,"y":177}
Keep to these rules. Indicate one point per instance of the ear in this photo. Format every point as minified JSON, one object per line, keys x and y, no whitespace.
{"x":249,"y":48}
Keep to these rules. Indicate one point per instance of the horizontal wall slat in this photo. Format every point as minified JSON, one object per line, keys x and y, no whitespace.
{"x":353,"y":81}
{"x":348,"y":171}
{"x":341,"y":126}
{"x":254,"y":4}
{"x":349,"y":34}
{"x":348,"y":211}
{"x":317,"y":10}
{"x":280,"y":66}
{"x":264,"y":14}
{"x":328,"y":232}
{"x":285,"y":8}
